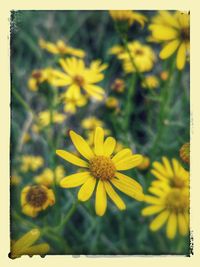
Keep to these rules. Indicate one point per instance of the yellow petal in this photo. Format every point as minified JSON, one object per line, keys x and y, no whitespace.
{"x":94,"y":91}
{"x":75,"y":180}
{"x":168,"y":167}
{"x":176,"y":166}
{"x":114,"y":196}
{"x":160,"y":168}
{"x":126,"y":189}
{"x":158,"y":175}
{"x":169,"y":49}
{"x":25,"y":241}
{"x":152,"y":200}
{"x":158,"y":222}
{"x":101,"y":199}
{"x":109,"y":146}
{"x":81,"y":145}
{"x":71,"y":158}
{"x":152,"y":210}
{"x":163,"y":33}
{"x":181,"y":56}
{"x":128,"y":180}
{"x":182,"y":224}
{"x":40,"y":249}
{"x":121,"y":155}
{"x":129,"y":162}
{"x":155,"y":191}
{"x":29,"y":210}
{"x":171,"y":226}
{"x":98,"y":141}
{"x":87,"y":189}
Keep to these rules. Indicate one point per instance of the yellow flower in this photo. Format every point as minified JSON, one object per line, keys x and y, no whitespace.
{"x":48,"y":176}
{"x":112,"y":102}
{"x":144,"y":164}
{"x":35,"y":199}
{"x":172,"y":204}
{"x":77,"y":76}
{"x":185,"y":153}
{"x":72,"y":101}
{"x":164,"y":75}
{"x":150,"y":82}
{"x":15,"y":179}
{"x":118,"y":86}
{"x":31,"y":163}
{"x":26,"y":138}
{"x":102,"y":168}
{"x":44,"y":118}
{"x":128,"y":16}
{"x":91,"y":123}
{"x":38,"y":77}
{"x":60,"y":48}
{"x":143,"y":56}
{"x":173,"y":30}
{"x":90,"y":136}
{"x":170,"y":173}
{"x":23,"y":246}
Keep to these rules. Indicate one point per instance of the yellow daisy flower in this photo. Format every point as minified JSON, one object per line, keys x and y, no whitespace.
{"x":31,"y":163}
{"x":72,"y":101}
{"x":91,"y":123}
{"x":77,"y":76}
{"x":150,"y":82}
{"x":103,"y":169}
{"x":170,"y":173}
{"x":38,"y":77}
{"x":143,"y":56}
{"x":24,"y":245}
{"x":35,"y":199}
{"x":173,"y":30}
{"x":128,"y":16}
{"x":48,"y":176}
{"x":60,"y":48}
{"x":172,"y":204}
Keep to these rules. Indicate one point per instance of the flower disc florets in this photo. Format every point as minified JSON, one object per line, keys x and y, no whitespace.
{"x":36,"y":196}
{"x":102,"y":167}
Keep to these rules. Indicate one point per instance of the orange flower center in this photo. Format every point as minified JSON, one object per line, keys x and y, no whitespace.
{"x":36,"y":196}
{"x":79,"y":80}
{"x":102,"y":167}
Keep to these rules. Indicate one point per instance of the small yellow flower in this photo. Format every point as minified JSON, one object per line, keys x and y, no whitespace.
{"x":185,"y":153}
{"x":72,"y":101}
{"x":170,"y":173}
{"x":164,"y":75}
{"x":26,"y":138}
{"x":118,"y":86}
{"x":128,"y":16}
{"x":24,"y":245}
{"x":150,"y":82}
{"x":142,"y":55}
{"x":172,"y":207}
{"x":77,"y":76}
{"x":173,"y":30}
{"x":60,"y":48}
{"x":48,"y":176}
{"x":44,"y":119}
{"x":38,"y":77}
{"x":102,"y":168}
{"x":91,"y":123}
{"x":144,"y":164}
{"x":15,"y":179}
{"x":31,"y":163}
{"x":112,"y":102}
{"x":35,"y":199}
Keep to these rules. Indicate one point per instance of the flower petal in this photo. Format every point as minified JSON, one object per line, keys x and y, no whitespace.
{"x":114,"y":196}
{"x":158,"y":222}
{"x":181,"y":56}
{"x":109,"y":146}
{"x":171,"y":226}
{"x":153,"y":209}
{"x":126,"y":189}
{"x":163,"y":33}
{"x":87,"y":189}
{"x":121,"y":155}
{"x":40,"y":249}
{"x":98,"y":141}
{"x":71,"y":158}
{"x":129,"y":162}
{"x":81,"y":145}
{"x":169,"y":49}
{"x":74,"y":180}
{"x":182,"y":224}
{"x":101,"y":199}
{"x":128,"y":180}
{"x":168,"y":167}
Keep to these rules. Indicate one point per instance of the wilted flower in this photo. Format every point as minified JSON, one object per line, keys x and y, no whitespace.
{"x":35,"y":199}
{"x":185,"y":152}
{"x":118,"y":86}
{"x":103,"y":169}
{"x":24,"y":245}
